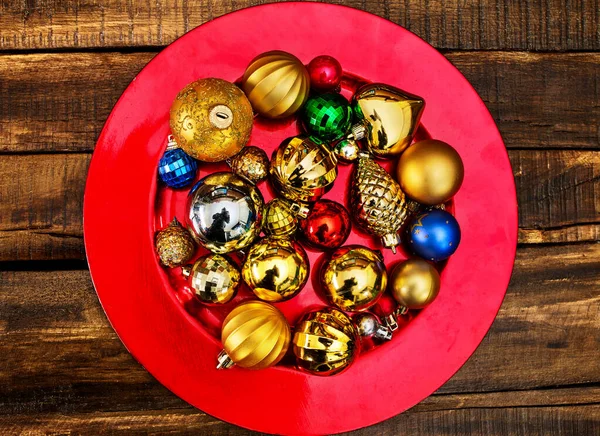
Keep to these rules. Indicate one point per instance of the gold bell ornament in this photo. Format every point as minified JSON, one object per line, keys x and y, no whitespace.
{"x":281,"y":216}
{"x":276,"y":269}
{"x":174,"y":245}
{"x":276,"y":83}
{"x":430,"y":172}
{"x":414,"y":283}
{"x":214,"y":278}
{"x":252,"y":163}
{"x":377,"y":201}
{"x":353,"y":278}
{"x":325,"y":342}
{"x":211,"y":119}
{"x":388,"y":118}
{"x":255,"y":335}
{"x":303,"y":170}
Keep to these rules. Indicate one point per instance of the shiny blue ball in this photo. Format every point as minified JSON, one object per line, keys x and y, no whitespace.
{"x":433,"y":235}
{"x":177,"y":169}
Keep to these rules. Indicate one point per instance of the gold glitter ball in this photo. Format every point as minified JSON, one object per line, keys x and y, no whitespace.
{"x":252,"y":163}
{"x":174,"y":245}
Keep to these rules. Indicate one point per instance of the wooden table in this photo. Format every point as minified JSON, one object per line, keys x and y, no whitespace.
{"x":63,"y":65}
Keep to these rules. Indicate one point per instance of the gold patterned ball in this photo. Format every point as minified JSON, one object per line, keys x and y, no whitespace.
{"x":414,"y":283}
{"x":252,"y":163}
{"x":430,"y":172}
{"x":325,"y":342}
{"x":279,"y":220}
{"x":353,"y":278}
{"x":276,"y":269}
{"x":214,"y":278}
{"x":255,"y":335}
{"x":211,"y":119}
{"x":174,"y":245}
{"x":276,"y":83}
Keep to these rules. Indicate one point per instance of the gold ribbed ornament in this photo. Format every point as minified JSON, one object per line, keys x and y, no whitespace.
{"x":255,"y":335}
{"x":377,"y":201}
{"x":303,"y":170}
{"x":325,"y":342}
{"x":276,"y":83}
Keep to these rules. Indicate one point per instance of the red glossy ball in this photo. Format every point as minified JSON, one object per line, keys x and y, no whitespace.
{"x":327,"y":226}
{"x":325,"y":73}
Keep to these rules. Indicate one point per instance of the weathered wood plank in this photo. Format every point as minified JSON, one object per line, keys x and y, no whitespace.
{"x":451,"y":24}
{"x":60,"y":354}
{"x":60,"y":102}
{"x":41,"y":198}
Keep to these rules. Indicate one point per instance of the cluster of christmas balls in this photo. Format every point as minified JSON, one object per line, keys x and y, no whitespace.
{"x":211,"y":120}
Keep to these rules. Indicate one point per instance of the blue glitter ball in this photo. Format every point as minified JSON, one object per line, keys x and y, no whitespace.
{"x":433,"y":235}
{"x":176,"y":169}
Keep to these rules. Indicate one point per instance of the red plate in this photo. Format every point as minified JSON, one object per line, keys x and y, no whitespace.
{"x":177,"y":340}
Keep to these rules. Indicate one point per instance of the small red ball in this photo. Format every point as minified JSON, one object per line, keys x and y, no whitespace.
{"x":327,"y":226}
{"x":325,"y":73}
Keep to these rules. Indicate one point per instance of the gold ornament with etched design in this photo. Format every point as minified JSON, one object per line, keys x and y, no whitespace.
{"x":211,"y":119}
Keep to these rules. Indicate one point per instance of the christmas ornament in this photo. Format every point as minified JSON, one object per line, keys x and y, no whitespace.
{"x":368,"y":327}
{"x":430,"y":172}
{"x":325,"y":73}
{"x":176,"y":169}
{"x":414,"y":283}
{"x":388,"y":118}
{"x":327,"y":225}
{"x":353,"y":278}
{"x":347,"y":150}
{"x":224,"y":212}
{"x":252,"y":163}
{"x":211,"y":119}
{"x":377,"y":202}
{"x":303,"y":170}
{"x":326,"y":116}
{"x":276,"y":269}
{"x":433,"y":235}
{"x":276,"y":83}
{"x":214,"y":278}
{"x":174,"y":245}
{"x":279,"y":219}
{"x":325,"y":342}
{"x":255,"y":335}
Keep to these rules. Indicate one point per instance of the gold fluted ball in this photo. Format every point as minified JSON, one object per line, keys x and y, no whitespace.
{"x":276,"y":83}
{"x":214,"y":278}
{"x":211,"y":119}
{"x":252,"y":163}
{"x":353,"y":278}
{"x":279,"y":220}
{"x":414,"y":283}
{"x":430,"y":172}
{"x":325,"y":342}
{"x":276,"y":269}
{"x":255,"y":335}
{"x":389,"y":116}
{"x":174,"y":245}
{"x":302,"y":169}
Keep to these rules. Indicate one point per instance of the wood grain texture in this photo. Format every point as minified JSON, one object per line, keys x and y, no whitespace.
{"x":450,"y":24}
{"x":60,"y":102}
{"x":64,"y":367}
{"x":42,"y":200}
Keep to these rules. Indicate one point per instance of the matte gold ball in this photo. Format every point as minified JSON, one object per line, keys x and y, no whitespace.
{"x":276,"y":83}
{"x":211,"y":119}
{"x":276,"y":269}
{"x":430,"y":172}
{"x":353,"y":278}
{"x":255,"y":335}
{"x":414,"y":283}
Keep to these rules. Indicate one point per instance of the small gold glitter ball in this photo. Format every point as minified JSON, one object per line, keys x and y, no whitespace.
{"x":252,"y":163}
{"x":214,"y":278}
{"x":211,"y":119}
{"x":174,"y":245}
{"x":278,"y":219}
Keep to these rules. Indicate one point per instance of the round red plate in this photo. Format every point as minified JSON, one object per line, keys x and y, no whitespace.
{"x":124,"y":207}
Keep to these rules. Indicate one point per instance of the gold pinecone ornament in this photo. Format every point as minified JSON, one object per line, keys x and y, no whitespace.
{"x":377,"y":201}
